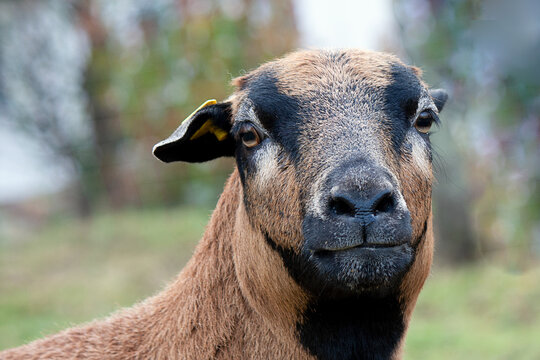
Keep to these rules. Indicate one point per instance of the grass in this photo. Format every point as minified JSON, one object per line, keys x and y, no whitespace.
{"x":477,"y":312}
{"x":73,"y":271}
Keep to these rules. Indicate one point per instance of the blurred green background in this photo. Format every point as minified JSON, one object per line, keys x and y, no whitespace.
{"x":90,"y":221}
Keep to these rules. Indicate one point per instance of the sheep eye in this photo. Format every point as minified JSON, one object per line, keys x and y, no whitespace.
{"x":424,"y":121}
{"x":250,"y":136}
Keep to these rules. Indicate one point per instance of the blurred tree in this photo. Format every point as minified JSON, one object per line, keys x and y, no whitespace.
{"x":486,"y":53}
{"x":103,"y":114}
{"x":42,"y":57}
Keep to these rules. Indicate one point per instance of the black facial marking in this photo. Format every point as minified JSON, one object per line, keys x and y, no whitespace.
{"x":241,"y":164}
{"x":401,"y":101}
{"x":278,"y":112}
{"x":410,"y":106}
{"x":293,"y":262}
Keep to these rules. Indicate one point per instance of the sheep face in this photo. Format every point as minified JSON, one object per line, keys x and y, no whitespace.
{"x":334,"y":157}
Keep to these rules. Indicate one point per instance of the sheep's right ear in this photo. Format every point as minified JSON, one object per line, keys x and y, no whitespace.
{"x":202,"y":136}
{"x":439,"y":97}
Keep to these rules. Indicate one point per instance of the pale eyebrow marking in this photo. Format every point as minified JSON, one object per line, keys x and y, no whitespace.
{"x":247,"y":112}
{"x":425,"y":103}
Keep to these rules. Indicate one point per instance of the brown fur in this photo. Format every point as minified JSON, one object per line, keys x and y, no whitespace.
{"x":235,"y":298}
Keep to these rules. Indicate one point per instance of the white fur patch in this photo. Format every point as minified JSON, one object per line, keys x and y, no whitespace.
{"x":266,"y":160}
{"x":316,"y":206}
{"x":419,"y":154}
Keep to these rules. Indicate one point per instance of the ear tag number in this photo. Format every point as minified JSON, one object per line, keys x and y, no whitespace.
{"x":208,"y":126}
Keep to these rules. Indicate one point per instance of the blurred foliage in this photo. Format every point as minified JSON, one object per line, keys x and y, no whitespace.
{"x":486,"y":54}
{"x":42,"y":59}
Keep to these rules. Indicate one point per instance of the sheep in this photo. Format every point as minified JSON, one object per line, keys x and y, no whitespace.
{"x":322,"y":238}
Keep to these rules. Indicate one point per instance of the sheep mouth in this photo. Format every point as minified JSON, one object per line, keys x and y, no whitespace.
{"x":351,"y":258}
{"x":324,"y":251}
{"x":347,"y":270}
{"x":364,"y":267}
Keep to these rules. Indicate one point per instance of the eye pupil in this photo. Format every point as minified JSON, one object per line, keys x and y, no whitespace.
{"x":249,"y":136}
{"x":423,"y":122}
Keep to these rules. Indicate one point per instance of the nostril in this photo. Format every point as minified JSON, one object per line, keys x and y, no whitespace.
{"x":340,"y":205}
{"x":353,"y":204}
{"x":384,"y":202}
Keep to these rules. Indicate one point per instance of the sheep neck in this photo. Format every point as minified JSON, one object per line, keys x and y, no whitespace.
{"x":225,"y":303}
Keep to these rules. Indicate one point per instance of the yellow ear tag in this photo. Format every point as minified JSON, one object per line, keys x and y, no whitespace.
{"x":208,"y":126}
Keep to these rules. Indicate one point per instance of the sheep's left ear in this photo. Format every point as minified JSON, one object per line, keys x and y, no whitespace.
{"x":202,"y":136}
{"x":439,"y":97}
